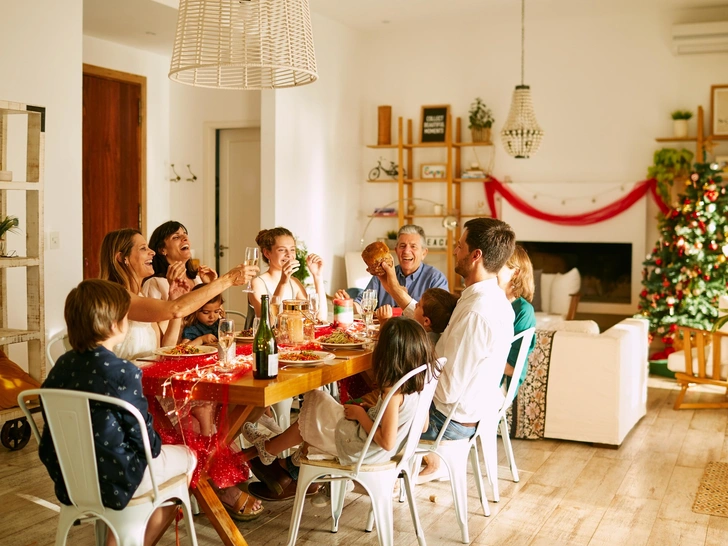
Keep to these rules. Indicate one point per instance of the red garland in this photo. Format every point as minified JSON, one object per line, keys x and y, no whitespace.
{"x":492,"y":185}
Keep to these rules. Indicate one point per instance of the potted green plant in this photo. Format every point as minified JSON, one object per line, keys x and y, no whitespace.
{"x":392,"y":239}
{"x":481,"y":120}
{"x":680,"y":122}
{"x":8,"y":225}
{"x":301,"y":254}
{"x":670,"y":166}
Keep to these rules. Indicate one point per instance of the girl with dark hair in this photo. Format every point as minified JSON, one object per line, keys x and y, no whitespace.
{"x":331,"y":430}
{"x":278,"y":247}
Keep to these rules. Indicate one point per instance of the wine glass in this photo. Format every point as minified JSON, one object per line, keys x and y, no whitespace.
{"x":226,"y":339}
{"x":256,"y":324}
{"x":252,"y":253}
{"x":368,"y":305}
{"x":313,"y":305}
{"x":274,"y":308}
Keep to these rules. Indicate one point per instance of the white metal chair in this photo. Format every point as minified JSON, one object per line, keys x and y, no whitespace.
{"x":230,"y":314}
{"x":377,"y":479}
{"x":53,"y":345}
{"x":489,"y":434}
{"x":68,"y":417}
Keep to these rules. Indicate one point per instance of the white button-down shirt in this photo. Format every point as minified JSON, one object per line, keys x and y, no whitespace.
{"x":478,"y":336}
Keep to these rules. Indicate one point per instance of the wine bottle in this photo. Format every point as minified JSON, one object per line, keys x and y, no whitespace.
{"x":265,"y":348}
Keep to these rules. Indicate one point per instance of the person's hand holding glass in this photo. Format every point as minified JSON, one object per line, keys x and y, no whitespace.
{"x":368,"y":305}
{"x":226,"y":339}
{"x":252,"y":254}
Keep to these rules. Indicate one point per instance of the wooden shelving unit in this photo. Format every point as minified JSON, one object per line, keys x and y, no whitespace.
{"x":701,"y":142}
{"x":32,"y":186}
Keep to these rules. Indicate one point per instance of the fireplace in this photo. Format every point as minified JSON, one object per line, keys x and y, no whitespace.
{"x":605,"y":268}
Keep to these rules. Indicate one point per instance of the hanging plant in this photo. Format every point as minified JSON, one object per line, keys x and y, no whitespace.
{"x":670,"y":165}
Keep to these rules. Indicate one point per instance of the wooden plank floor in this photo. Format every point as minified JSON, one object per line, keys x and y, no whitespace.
{"x":569,"y":494}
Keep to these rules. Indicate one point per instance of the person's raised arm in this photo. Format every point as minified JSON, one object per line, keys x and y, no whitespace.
{"x":398,"y":292}
{"x":151,"y":310}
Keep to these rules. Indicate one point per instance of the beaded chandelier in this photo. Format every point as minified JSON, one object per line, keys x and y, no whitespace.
{"x":521,"y":134}
{"x":244,"y":44}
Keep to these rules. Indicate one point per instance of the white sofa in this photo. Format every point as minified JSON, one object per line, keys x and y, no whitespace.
{"x":597,"y":385}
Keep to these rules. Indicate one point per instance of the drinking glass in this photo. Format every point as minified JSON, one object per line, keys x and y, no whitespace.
{"x":252,"y":254}
{"x":368,"y":305}
{"x":226,"y":339}
{"x":313,"y":305}
{"x":256,"y":323}
{"x":275,"y":306}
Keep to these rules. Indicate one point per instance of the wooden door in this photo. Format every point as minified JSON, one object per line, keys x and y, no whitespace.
{"x":238,"y":203}
{"x":112,"y":158}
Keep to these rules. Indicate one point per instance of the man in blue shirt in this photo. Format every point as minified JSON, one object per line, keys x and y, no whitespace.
{"x":414,"y":275}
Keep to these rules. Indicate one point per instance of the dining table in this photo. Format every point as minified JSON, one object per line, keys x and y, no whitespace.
{"x":241,"y":396}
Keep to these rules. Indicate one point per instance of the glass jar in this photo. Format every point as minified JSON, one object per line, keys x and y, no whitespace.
{"x":295,"y":326}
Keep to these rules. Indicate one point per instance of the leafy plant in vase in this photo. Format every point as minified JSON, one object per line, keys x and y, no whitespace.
{"x":680,"y":123}
{"x":392,"y":239}
{"x":481,"y":121}
{"x":8,"y":225}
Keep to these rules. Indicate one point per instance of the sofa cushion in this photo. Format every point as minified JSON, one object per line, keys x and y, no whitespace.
{"x":536,"y":301}
{"x":547,"y":279}
{"x":562,"y":287}
{"x":13,"y":381}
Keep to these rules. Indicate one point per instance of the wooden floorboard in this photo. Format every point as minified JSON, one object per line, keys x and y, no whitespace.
{"x":569,"y":494}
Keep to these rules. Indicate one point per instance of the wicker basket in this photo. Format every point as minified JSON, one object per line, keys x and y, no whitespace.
{"x":481,"y":134}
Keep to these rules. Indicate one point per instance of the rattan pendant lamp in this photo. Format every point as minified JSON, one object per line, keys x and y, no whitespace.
{"x":244,"y":44}
{"x":522,"y":134}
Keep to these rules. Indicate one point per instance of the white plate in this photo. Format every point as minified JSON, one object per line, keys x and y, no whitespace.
{"x":322,"y":357}
{"x":324,"y":325}
{"x":358,"y":345}
{"x":202,"y":350}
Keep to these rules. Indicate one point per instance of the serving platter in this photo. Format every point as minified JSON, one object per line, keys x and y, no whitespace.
{"x":322,"y":356}
{"x":200,"y":350}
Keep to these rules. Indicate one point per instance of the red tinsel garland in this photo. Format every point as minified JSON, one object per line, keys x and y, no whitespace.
{"x":492,"y":185}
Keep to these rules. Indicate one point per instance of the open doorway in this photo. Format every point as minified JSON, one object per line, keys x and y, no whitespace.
{"x":237,"y":202}
{"x":114,"y":157}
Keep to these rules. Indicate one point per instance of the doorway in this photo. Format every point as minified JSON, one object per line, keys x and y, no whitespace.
{"x":237,"y":202}
{"x":114,"y":157}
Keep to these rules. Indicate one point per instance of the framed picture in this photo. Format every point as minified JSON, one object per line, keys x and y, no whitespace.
{"x":433,"y":170}
{"x":722,"y":160}
{"x":434,"y":127}
{"x":436,"y":241}
{"x":719,"y":111}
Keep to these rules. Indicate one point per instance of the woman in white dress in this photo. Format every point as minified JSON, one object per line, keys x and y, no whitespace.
{"x":278,"y":247}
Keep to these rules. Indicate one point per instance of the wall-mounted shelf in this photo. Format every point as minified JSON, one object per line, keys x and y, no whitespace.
{"x":470,"y":144}
{"x":675,"y":139}
{"x":479,"y":180}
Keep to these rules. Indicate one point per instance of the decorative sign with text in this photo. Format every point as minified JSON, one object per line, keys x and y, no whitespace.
{"x":436,"y":241}
{"x":434,"y":123}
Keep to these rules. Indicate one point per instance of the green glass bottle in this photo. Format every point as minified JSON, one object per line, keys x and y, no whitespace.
{"x":265,"y":348}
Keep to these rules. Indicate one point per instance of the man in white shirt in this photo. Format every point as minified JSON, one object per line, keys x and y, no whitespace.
{"x":478,"y":337}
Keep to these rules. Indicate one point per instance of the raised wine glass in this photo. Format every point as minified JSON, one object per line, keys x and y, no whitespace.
{"x":226,"y":338}
{"x":252,"y":254}
{"x":368,"y":305}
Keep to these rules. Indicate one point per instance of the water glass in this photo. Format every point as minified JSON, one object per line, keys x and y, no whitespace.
{"x":252,"y":254}
{"x":226,"y":339}
{"x":368,"y":305}
{"x":313,"y":305}
{"x":275,"y":307}
{"x":256,"y":323}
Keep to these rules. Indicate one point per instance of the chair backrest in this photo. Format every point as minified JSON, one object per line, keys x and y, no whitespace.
{"x":429,"y":390}
{"x":235,"y":315}
{"x":56,"y":346}
{"x":455,"y":406}
{"x":705,"y":344}
{"x":68,"y":417}
{"x":357,"y":275}
{"x":526,"y":336}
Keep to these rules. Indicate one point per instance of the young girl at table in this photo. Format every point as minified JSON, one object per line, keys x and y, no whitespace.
{"x":200,"y":328}
{"x":332,"y":430}
{"x":96,"y":317}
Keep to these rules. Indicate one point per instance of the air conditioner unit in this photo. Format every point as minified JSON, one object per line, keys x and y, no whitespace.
{"x":700,"y":38}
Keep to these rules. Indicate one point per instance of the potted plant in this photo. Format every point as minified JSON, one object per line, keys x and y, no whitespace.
{"x":680,"y":123}
{"x":392,"y":239}
{"x":8,"y":225}
{"x":670,"y":166}
{"x":481,"y":120}
{"x":301,"y":254}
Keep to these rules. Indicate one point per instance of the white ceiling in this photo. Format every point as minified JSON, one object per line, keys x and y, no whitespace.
{"x":150,"y":24}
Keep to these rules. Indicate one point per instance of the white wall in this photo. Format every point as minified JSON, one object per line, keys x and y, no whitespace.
{"x":155,"y":68}
{"x":604,"y":82}
{"x":194,"y":113}
{"x":41,"y":57}
{"x":317,"y":144}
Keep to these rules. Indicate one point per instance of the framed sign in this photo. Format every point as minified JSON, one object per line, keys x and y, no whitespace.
{"x":433,"y":170}
{"x":434,"y":123}
{"x":719,"y":111}
{"x":437,"y":241}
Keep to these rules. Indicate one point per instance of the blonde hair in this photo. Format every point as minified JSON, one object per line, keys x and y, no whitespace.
{"x":119,"y":271}
{"x":522,"y":284}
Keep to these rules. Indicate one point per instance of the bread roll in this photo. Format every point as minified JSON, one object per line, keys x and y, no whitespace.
{"x":374,"y":255}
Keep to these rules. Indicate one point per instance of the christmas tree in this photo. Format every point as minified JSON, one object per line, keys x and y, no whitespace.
{"x":687,"y":271}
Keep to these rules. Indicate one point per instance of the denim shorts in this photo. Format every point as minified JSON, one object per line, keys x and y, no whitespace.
{"x":455,"y":431}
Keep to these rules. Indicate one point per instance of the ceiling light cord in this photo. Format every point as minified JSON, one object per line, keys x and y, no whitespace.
{"x":523,"y":40}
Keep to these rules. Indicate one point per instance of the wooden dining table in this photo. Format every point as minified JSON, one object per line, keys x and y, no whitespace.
{"x":247,"y":393}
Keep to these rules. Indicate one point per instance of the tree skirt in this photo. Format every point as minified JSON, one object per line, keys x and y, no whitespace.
{"x":527,"y":415}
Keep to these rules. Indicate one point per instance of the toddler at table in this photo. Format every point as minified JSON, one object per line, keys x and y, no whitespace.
{"x":96,"y":318}
{"x":200,"y":327}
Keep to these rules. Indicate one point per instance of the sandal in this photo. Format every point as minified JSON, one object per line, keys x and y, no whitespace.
{"x":258,"y":439}
{"x":243,"y":510}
